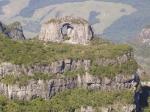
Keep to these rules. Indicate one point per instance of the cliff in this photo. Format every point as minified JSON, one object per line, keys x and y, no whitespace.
{"x":66,"y":77}
{"x":32,"y":69}
{"x":13,"y":31}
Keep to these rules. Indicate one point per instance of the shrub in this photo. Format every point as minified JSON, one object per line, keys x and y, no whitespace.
{"x":31,"y":52}
{"x":67,"y":101}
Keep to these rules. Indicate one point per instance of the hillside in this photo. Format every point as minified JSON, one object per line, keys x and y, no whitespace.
{"x":67,"y":69}
{"x":34,"y":70}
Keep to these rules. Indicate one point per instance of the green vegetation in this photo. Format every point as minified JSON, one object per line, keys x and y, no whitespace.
{"x":74,"y":73}
{"x":67,"y":101}
{"x":147,"y":109}
{"x":34,"y":52}
{"x":23,"y":80}
{"x":66,"y":37}
{"x":111,"y":70}
{"x":67,"y":19}
{"x":31,"y":52}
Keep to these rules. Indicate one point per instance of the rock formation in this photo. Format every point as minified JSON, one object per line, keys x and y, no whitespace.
{"x":47,"y":89}
{"x":2,"y":27}
{"x":65,"y":72}
{"x":144,"y":36}
{"x":13,"y":31}
{"x":59,"y":82}
{"x":111,"y":108}
{"x":60,"y":66}
{"x":67,"y":29}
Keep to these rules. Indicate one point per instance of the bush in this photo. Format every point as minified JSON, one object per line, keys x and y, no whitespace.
{"x":127,"y":68}
{"x":68,"y":101}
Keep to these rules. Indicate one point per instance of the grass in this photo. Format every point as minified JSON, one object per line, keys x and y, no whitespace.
{"x":110,"y":71}
{"x":68,"y":19}
{"x":31,"y":52}
{"x":34,"y":52}
{"x":67,"y":101}
{"x":23,"y":80}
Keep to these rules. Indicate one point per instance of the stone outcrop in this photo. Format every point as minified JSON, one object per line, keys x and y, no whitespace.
{"x":111,"y":108}
{"x":2,"y":27}
{"x":47,"y":89}
{"x":68,"y":30}
{"x":59,"y":67}
{"x":60,"y":82}
{"x":13,"y":31}
{"x":144,"y":36}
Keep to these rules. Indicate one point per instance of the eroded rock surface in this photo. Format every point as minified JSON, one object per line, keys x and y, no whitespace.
{"x":110,"y":108}
{"x":68,"y":30}
{"x":59,"y":66}
{"x":13,"y":31}
{"x":47,"y":89}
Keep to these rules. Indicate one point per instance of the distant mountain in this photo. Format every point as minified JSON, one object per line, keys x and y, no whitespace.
{"x":117,"y":20}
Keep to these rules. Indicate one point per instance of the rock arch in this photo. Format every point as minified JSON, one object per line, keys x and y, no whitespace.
{"x":67,"y":30}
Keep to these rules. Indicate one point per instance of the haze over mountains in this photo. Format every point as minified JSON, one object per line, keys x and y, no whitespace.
{"x":110,"y":18}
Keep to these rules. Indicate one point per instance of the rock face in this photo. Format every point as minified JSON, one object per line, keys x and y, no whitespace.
{"x":47,"y":89}
{"x":13,"y":31}
{"x":144,"y":36}
{"x":2,"y":27}
{"x":68,"y":30}
{"x":111,"y":108}
{"x":60,"y":82}
{"x":59,"y":67}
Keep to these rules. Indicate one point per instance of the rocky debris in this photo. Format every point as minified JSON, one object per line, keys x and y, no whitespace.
{"x":68,"y":30}
{"x":13,"y":31}
{"x":47,"y":89}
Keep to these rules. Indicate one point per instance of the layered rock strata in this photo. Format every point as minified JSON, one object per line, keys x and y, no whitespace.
{"x":60,"y":66}
{"x":47,"y":89}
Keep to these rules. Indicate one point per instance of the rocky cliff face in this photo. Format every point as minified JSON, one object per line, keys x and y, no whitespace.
{"x":61,"y":66}
{"x":13,"y":31}
{"x":111,"y":108}
{"x":59,"y":82}
{"x":2,"y":27}
{"x":47,"y":89}
{"x":68,"y":30}
{"x":144,"y":36}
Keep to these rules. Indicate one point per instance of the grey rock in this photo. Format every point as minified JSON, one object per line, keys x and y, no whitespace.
{"x":110,"y":108}
{"x":47,"y":89}
{"x":67,"y":30}
{"x":2,"y":27}
{"x":13,"y":31}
